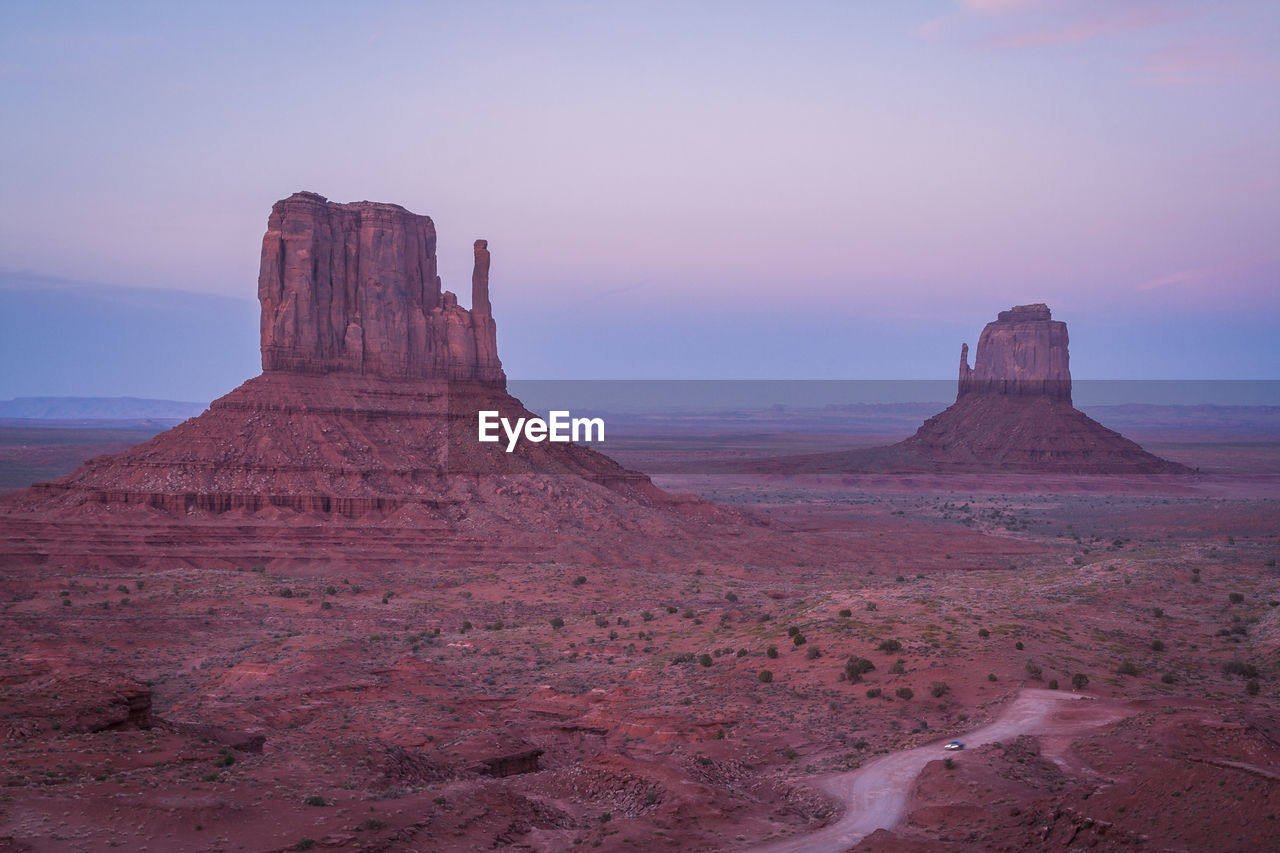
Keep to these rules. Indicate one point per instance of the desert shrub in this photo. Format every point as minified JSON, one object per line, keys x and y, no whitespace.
{"x":1239,"y":667}
{"x":799,"y":639}
{"x":466,"y":626}
{"x":1018,"y":645}
{"x":890,"y":646}
{"x":1252,"y":687}
{"x":1157,"y":645}
{"x":326,"y":605}
{"x":949,"y":763}
{"x":1053,"y":684}
{"x":557,"y":622}
{"x":871,"y":605}
{"x":225,"y":758}
{"x":371,"y":823}
{"x":873,"y":693}
{"x":1169,"y":678}
{"x":765,"y":676}
{"x":1127,"y":668}
{"x":731,"y":597}
{"x":771,"y":652}
{"x":646,"y":615}
{"x":681,"y":657}
{"x":814,"y":652}
{"x":285,"y":593}
{"x":983,"y":633}
{"x":315,"y":800}
{"x":899,"y":667}
{"x":991,"y":676}
{"x":900,"y":578}
{"x":1235,"y":598}
{"x":792,"y":631}
{"x":1157,"y":612}
{"x":671,"y":609}
{"x":742,"y":653}
{"x":938,"y":689}
{"x":602,"y":622}
{"x":304,"y":843}
{"x":704,"y":659}
{"x":687,"y":614}
{"x":579,"y":580}
{"x":855,"y":667}
{"x":1079,"y":681}
{"x":904,"y":693}
{"x":846,"y":613}
{"x":1033,"y":670}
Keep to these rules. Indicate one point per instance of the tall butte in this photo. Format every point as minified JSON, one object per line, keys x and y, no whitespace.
{"x":1013,"y":412}
{"x":1013,"y":409}
{"x":359,"y":437}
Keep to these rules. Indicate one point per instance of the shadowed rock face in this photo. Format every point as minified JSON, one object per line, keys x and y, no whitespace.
{"x":1022,"y":353}
{"x":353,"y":288}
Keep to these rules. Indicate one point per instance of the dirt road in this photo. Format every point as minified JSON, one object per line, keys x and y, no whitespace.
{"x":875,"y":795}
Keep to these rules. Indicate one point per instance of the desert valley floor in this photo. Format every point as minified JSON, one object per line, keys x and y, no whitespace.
{"x":318,"y":700}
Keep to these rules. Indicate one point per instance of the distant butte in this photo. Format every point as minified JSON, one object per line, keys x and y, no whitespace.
{"x":359,"y":437}
{"x":1013,"y":412}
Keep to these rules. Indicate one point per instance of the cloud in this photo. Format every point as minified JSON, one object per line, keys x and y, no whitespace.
{"x":931,"y":30}
{"x":1173,"y":278}
{"x":1089,"y":27}
{"x":1203,"y":60}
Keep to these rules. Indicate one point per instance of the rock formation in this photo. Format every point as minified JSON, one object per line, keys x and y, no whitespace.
{"x":1023,"y":353}
{"x":1013,"y":412}
{"x":353,"y":288}
{"x":1013,"y":409}
{"x":365,"y":414}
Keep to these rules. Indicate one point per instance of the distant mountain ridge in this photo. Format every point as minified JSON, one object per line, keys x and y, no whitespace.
{"x":99,"y":408}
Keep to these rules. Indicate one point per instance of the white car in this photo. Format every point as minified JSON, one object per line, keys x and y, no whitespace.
{"x":955,"y":744}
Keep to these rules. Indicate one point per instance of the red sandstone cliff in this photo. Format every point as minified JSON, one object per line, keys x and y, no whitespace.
{"x":353,"y":288}
{"x":1023,"y":352}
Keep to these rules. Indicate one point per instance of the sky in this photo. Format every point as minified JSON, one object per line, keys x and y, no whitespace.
{"x":669,"y":189}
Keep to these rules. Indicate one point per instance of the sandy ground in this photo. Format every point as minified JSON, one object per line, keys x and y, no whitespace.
{"x":875,"y":796}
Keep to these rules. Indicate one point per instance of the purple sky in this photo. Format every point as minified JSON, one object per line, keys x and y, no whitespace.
{"x":822,"y":189}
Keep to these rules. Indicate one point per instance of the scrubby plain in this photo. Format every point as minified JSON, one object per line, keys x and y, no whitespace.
{"x":316,"y":701}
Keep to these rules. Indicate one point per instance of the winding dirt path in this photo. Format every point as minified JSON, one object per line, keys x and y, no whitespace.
{"x":875,"y":795}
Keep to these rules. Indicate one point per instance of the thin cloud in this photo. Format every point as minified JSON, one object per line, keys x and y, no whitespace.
{"x":1090,"y":27}
{"x":1179,"y":277}
{"x":1203,"y":60}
